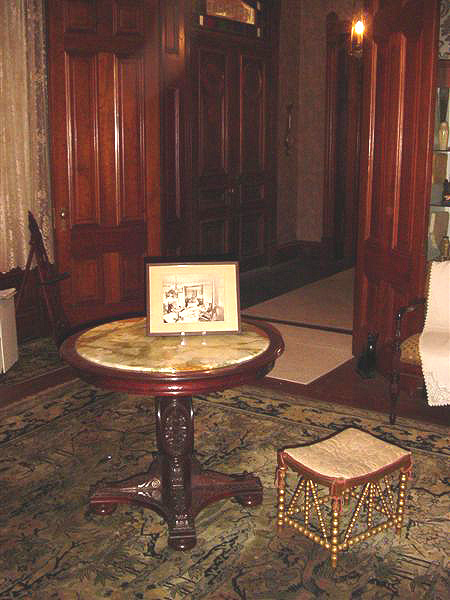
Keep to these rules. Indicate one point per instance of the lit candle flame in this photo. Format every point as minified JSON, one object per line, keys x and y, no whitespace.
{"x":357,"y":36}
{"x":359,"y":27}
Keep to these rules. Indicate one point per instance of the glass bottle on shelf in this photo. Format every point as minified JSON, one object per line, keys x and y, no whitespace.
{"x":443,"y":136}
{"x":445,"y":248}
{"x":446,"y":193}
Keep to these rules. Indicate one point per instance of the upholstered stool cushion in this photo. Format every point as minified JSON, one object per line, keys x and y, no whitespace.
{"x":409,"y":350}
{"x":346,"y":459}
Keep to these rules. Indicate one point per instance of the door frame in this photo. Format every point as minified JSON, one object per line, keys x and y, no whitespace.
{"x":410,"y":279}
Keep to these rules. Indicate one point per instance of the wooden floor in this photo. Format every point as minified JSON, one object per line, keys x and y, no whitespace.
{"x":343,"y":385}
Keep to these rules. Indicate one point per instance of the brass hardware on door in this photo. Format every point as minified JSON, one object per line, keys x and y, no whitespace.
{"x":63,"y":215}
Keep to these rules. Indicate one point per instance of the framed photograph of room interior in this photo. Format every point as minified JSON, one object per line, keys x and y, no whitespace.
{"x":192,"y":297}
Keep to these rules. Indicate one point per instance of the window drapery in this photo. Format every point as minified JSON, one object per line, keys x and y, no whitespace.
{"x":24,"y":162}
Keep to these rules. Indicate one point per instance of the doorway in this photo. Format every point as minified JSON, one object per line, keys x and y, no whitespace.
{"x":342,"y":154}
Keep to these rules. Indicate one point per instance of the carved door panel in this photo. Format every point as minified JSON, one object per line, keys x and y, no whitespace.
{"x":213,"y":151}
{"x":104,"y":114}
{"x":231,"y":170}
{"x":396,"y":167}
{"x":254,"y":179}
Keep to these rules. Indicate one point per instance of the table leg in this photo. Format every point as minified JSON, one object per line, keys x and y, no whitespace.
{"x":175,"y":441}
{"x":176,"y":486}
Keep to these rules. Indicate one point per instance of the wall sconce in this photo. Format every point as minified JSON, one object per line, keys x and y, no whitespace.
{"x":359,"y":28}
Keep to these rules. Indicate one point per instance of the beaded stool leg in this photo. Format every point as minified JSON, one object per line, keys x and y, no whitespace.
{"x":294,"y":505}
{"x":400,"y":502}
{"x":390,"y":495}
{"x":335,"y":531}
{"x":281,"y":477}
{"x":307,"y":504}
{"x":370,"y":502}
{"x":316,"y":504}
{"x":354,"y":517}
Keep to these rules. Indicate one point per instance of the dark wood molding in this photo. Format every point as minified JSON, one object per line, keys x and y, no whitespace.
{"x":175,"y":128}
{"x":330,"y":132}
{"x":443,"y":73}
{"x":11,"y":393}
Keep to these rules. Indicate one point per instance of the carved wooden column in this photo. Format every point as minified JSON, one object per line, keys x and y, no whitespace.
{"x":175,"y":440}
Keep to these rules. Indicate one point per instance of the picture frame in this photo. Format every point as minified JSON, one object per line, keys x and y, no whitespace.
{"x":188,"y":298}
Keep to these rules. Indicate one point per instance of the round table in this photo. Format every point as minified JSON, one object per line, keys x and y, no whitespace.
{"x":120,"y":356}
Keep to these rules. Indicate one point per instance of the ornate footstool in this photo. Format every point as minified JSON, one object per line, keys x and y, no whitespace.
{"x":356,"y":468}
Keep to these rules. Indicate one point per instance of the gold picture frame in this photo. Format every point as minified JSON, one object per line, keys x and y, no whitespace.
{"x":186,"y":298}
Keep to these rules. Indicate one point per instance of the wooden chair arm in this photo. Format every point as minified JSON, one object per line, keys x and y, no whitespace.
{"x":401,"y":312}
{"x":407,"y":309}
{"x":55,"y":279}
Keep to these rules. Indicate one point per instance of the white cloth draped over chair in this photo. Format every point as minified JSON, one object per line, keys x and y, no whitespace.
{"x":434,"y":341}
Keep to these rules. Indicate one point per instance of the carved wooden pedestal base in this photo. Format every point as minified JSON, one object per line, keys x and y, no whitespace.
{"x":176,"y":486}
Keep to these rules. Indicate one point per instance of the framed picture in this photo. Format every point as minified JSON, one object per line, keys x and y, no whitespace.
{"x":192,"y":297}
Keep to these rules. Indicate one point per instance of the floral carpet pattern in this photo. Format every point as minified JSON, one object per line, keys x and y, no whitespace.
{"x":57,"y":445}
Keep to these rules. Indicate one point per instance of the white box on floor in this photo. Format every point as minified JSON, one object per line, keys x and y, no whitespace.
{"x":8,"y":332}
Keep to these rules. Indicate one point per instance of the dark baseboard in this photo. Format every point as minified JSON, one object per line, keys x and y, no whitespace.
{"x":299,"y":324}
{"x":10,"y":393}
{"x":297,"y":249}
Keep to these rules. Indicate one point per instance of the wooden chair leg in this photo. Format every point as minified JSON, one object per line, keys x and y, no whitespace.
{"x":48,"y":282}
{"x":394,"y":393}
{"x":24,"y":280}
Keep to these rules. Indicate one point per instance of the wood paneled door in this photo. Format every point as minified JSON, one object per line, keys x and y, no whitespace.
{"x":233,"y":143}
{"x":397,"y":137}
{"x":104,"y":116}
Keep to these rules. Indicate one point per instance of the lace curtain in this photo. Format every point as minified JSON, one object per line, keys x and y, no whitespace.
{"x":24,"y":164}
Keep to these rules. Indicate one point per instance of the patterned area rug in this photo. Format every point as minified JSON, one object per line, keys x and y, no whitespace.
{"x":57,"y":445}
